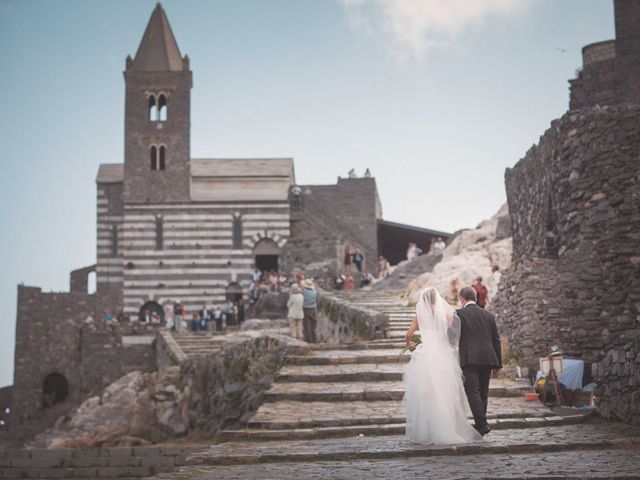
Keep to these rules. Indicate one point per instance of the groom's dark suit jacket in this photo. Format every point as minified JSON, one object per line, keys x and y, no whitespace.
{"x":479,"y":339}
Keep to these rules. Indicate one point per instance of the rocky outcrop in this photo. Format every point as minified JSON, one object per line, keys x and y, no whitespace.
{"x":137,"y":409}
{"x":470,"y":253}
{"x":405,"y":272}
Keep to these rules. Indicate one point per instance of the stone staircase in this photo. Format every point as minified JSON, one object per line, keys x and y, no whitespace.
{"x":337,"y":412}
{"x":349,"y":390}
{"x":195,"y":344}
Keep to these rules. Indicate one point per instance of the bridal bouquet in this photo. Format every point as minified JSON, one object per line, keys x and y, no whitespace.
{"x":413,"y":343}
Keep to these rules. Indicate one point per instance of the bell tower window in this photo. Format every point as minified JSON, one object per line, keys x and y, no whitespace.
{"x":163,"y":153}
{"x":153,"y":108}
{"x":153,"y":151}
{"x":157,"y":156}
{"x":162,"y":108}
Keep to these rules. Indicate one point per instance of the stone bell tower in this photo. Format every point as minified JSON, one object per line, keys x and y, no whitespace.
{"x":157,"y":118}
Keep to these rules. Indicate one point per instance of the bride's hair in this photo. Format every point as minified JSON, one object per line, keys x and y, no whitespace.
{"x":430,"y":295}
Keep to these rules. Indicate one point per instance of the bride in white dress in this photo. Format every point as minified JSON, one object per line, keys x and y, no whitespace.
{"x":435,"y":401}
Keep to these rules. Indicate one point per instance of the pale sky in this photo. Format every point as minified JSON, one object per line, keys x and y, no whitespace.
{"x":436,"y":97}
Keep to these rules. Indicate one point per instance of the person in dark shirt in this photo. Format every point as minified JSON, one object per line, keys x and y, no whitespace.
{"x":481,"y":292}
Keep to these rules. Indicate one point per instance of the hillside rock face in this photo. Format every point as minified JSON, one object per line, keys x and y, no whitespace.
{"x":470,"y":253}
{"x":136,"y":409}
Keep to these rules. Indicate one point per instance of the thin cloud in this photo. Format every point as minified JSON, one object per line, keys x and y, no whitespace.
{"x":413,"y":27}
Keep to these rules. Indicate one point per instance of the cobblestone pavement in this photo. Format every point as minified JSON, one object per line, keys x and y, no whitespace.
{"x":623,"y":463}
{"x":592,"y":434}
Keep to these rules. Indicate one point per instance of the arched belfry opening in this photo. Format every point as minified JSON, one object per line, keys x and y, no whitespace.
{"x":266,"y":255}
{"x":233,"y":292}
{"x":55,"y":389}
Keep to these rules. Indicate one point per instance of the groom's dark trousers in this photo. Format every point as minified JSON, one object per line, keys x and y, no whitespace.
{"x":476,"y":386}
{"x":479,"y":354}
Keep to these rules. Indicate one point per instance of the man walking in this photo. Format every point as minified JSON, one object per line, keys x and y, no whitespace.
{"x":480,"y":353}
{"x":309,"y":294}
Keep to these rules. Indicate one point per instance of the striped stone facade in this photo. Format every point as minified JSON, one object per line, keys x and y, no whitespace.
{"x":197,"y":261}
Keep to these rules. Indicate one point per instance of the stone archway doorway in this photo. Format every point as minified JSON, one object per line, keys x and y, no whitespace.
{"x":266,"y":255}
{"x":233,"y":292}
{"x":155,"y":310}
{"x":55,"y":389}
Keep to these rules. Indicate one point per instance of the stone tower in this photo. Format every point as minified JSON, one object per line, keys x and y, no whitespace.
{"x":157,"y":118}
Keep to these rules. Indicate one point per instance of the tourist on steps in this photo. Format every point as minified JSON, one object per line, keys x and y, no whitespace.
{"x":296,"y":313}
{"x":309,"y":295}
{"x":481,"y":292}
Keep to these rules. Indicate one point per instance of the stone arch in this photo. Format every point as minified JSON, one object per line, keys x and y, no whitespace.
{"x":266,"y":254}
{"x":55,"y":389}
{"x":233,"y":292}
{"x":279,"y":239}
{"x":153,"y":307}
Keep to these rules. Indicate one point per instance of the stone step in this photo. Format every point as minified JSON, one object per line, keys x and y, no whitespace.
{"x":342,"y":357}
{"x":295,"y":414}
{"x":375,"y":345}
{"x":364,"y":372}
{"x":319,"y":446}
{"x":342,"y":391}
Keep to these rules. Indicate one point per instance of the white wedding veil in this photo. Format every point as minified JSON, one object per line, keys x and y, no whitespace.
{"x":436,"y":318}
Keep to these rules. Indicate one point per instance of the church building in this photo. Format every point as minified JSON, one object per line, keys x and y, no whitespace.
{"x":173,"y":227}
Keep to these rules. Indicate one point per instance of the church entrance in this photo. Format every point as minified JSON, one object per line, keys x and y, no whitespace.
{"x":266,"y":255}
{"x":154,"y":311}
{"x":234,"y":292}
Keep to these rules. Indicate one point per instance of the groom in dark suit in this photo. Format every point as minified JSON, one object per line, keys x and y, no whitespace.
{"x":480,"y":353}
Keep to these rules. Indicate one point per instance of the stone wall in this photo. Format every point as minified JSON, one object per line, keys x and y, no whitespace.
{"x":226,"y":388}
{"x":575,"y":212}
{"x":51,"y":337}
{"x":79,"y":279}
{"x":108,"y":463}
{"x":611,"y":69}
{"x":618,"y":383}
{"x":5,"y":407}
{"x":339,"y":321}
{"x":354,"y":207}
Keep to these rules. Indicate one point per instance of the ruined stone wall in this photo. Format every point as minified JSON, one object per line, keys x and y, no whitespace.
{"x":574,"y":202}
{"x":6,"y":394}
{"x":79,"y":279}
{"x":617,"y":377}
{"x":51,"y":338}
{"x":354,"y":208}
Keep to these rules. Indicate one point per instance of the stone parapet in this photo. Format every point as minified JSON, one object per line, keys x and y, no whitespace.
{"x":124,"y":462}
{"x":339,"y":320}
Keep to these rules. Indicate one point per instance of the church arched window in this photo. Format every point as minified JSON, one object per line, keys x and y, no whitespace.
{"x":159,"y":233}
{"x":153,"y":152}
{"x":162,"y":108}
{"x":162,"y":153}
{"x":114,"y":240}
{"x":153,"y":108}
{"x":237,"y":232}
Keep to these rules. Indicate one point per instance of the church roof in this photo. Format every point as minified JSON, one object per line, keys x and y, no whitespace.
{"x":110,"y":173}
{"x":158,"y":50}
{"x":241,"y":179}
{"x":242,"y":167}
